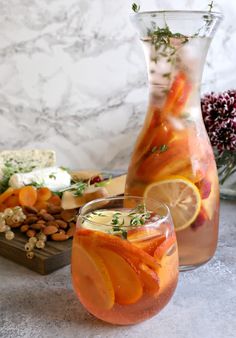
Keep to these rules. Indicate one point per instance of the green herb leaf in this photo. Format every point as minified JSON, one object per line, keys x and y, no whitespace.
{"x":52,"y":175}
{"x":163,"y":148}
{"x":77,"y":188}
{"x":211,"y":5}
{"x":135,"y":7}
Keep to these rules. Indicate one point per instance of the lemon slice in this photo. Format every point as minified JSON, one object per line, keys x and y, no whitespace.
{"x":180,"y":195}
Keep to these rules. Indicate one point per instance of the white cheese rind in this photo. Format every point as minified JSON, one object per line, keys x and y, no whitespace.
{"x":53,"y":178}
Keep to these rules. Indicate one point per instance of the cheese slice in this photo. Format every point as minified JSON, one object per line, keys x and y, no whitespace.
{"x":26,"y":158}
{"x":84,"y":175}
{"x":114,"y":187}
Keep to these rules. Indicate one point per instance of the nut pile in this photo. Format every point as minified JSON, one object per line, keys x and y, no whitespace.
{"x":39,"y":225}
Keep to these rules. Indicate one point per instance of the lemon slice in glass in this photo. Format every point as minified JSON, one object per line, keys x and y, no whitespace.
{"x":180,"y":195}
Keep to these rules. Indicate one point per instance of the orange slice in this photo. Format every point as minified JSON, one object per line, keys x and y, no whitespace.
{"x":91,"y":278}
{"x":181,"y":196}
{"x":126,"y":283}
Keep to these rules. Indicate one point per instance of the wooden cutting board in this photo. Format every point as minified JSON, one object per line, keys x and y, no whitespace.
{"x":55,"y":255}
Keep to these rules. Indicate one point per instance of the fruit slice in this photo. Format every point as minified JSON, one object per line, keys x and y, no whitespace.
{"x":91,"y":278}
{"x":164,"y":247}
{"x":150,"y":279}
{"x":159,"y":164}
{"x":147,"y":239}
{"x":126,"y":283}
{"x":6,"y":194}
{"x":180,"y":195}
{"x":27,"y":196}
{"x":177,"y":96}
{"x":145,"y":265}
{"x":122,"y":247}
{"x":201,"y":219}
{"x":44,"y":194}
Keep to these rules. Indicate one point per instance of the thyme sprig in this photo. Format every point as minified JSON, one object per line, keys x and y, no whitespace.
{"x":77,"y":188}
{"x":135,"y":7}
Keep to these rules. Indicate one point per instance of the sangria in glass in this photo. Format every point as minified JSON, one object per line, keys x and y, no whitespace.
{"x":124,"y":259}
{"x":173,"y":161}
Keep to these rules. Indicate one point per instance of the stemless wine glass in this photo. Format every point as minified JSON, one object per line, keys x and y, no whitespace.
{"x":124,"y":258}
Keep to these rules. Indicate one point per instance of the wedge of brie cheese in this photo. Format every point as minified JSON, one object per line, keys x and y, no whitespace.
{"x":53,"y":178}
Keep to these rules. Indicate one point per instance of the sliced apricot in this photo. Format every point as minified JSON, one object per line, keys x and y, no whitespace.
{"x":91,"y":278}
{"x":7,"y":193}
{"x":55,"y":200}
{"x":44,"y":194}
{"x":27,"y":196}
{"x":162,"y":250}
{"x":3,"y":206}
{"x":39,"y":205}
{"x":12,"y":201}
{"x":126,"y":283}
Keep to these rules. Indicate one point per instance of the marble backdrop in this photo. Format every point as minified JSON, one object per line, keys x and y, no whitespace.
{"x":72,"y":76}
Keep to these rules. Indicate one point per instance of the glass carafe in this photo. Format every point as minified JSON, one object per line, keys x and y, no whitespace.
{"x":173,"y":160}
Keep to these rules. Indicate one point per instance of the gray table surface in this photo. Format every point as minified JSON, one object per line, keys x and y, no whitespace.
{"x":204,"y":305}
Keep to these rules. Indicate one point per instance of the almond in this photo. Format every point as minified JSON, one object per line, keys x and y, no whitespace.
{"x":57,"y":216}
{"x":59,"y":237}
{"x":54,"y":209}
{"x":54,"y":223}
{"x":68,"y":215}
{"x":31,"y":233}
{"x":61,"y":224}
{"x":50,"y":230}
{"x":30,"y":210}
{"x":24,"y":228}
{"x":47,"y":217}
{"x":31,"y":219}
{"x":37,"y":226}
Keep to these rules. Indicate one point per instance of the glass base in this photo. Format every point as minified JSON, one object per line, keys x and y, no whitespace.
{"x":183,"y":268}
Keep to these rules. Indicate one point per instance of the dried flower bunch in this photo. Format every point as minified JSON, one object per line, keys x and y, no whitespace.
{"x":219,"y":115}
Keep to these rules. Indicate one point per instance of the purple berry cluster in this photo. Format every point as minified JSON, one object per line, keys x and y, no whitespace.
{"x":219,"y":115}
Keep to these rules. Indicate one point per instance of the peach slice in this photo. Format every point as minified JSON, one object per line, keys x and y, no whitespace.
{"x":150,"y":279}
{"x":147,"y":238}
{"x":126,"y":283}
{"x":145,"y":265}
{"x":177,"y":96}
{"x":125,"y":249}
{"x":91,"y":278}
{"x":161,"y":251}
